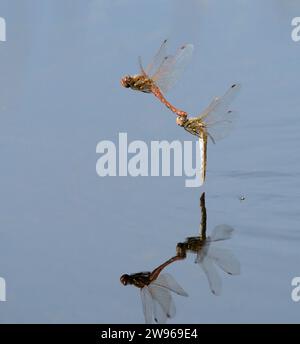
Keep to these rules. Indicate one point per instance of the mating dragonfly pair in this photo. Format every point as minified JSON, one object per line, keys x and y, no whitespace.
{"x":161,"y":74}
{"x":156,"y":287}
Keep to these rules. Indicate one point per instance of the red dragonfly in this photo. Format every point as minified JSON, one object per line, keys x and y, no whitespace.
{"x":156,"y":291}
{"x":161,"y":74}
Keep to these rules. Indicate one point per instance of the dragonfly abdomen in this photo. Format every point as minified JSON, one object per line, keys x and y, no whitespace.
{"x":156,"y":91}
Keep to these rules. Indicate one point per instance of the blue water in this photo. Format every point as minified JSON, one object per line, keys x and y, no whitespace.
{"x":67,"y":235}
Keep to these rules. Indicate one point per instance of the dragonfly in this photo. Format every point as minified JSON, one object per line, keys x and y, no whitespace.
{"x":215,"y":123}
{"x":161,"y":74}
{"x":156,"y":291}
{"x":208,"y":256}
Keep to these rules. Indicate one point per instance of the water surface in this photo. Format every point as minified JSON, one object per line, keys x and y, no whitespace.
{"x":67,"y":235}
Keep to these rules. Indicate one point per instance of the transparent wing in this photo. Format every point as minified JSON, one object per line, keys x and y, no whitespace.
{"x":160,"y":316}
{"x":157,"y":59}
{"x":225,"y":260}
{"x":164,"y":299}
{"x":147,"y":304}
{"x":221,"y":232}
{"x":212,"y":275}
{"x":218,"y":119}
{"x":220,"y":105}
{"x":220,"y":129}
{"x":172,"y":68}
{"x":202,"y":252}
{"x":168,"y":282}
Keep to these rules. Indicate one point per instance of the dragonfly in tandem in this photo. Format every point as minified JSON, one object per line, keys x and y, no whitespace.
{"x":215,"y":122}
{"x":161,"y":74}
{"x":157,"y":287}
{"x":208,"y":254}
{"x":156,"y":291}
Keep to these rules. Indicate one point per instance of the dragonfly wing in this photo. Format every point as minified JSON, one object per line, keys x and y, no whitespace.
{"x":217,"y":117}
{"x":172,"y":68}
{"x":160,"y":316}
{"x":212,"y":275}
{"x":226,"y":260}
{"x":221,"y":232}
{"x":168,"y":282}
{"x":147,"y":304}
{"x":157,"y":59}
{"x":222,"y":128}
{"x":164,"y":300}
{"x":220,"y":105}
{"x":202,"y":252}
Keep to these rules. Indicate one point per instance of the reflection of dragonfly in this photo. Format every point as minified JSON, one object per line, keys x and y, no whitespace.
{"x":208,"y":254}
{"x":161,"y":74}
{"x":156,"y":292}
{"x":215,"y":122}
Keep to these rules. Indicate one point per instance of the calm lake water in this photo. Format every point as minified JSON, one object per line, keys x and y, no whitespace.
{"x":67,"y":235}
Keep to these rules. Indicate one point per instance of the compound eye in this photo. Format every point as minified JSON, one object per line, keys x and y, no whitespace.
{"x":125,"y":82}
{"x":124,"y":279}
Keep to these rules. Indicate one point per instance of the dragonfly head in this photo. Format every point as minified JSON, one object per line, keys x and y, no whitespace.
{"x":127,"y":81}
{"x":181,"y":250}
{"x":124,"y":279}
{"x":180,"y":120}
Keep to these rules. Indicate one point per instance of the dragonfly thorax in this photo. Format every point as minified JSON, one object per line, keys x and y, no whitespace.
{"x":193,"y":244}
{"x":195,"y":126}
{"x":137,"y":82}
{"x":139,"y":279}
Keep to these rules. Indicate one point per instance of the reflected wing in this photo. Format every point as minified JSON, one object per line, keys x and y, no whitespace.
{"x":147,"y":304}
{"x":225,"y":260}
{"x":163,"y":303}
{"x":157,"y":59}
{"x":221,"y":232}
{"x":168,"y":282}
{"x":218,"y":119}
{"x":206,"y":263}
{"x":172,"y":67}
{"x":160,"y":316}
{"x":212,"y":275}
